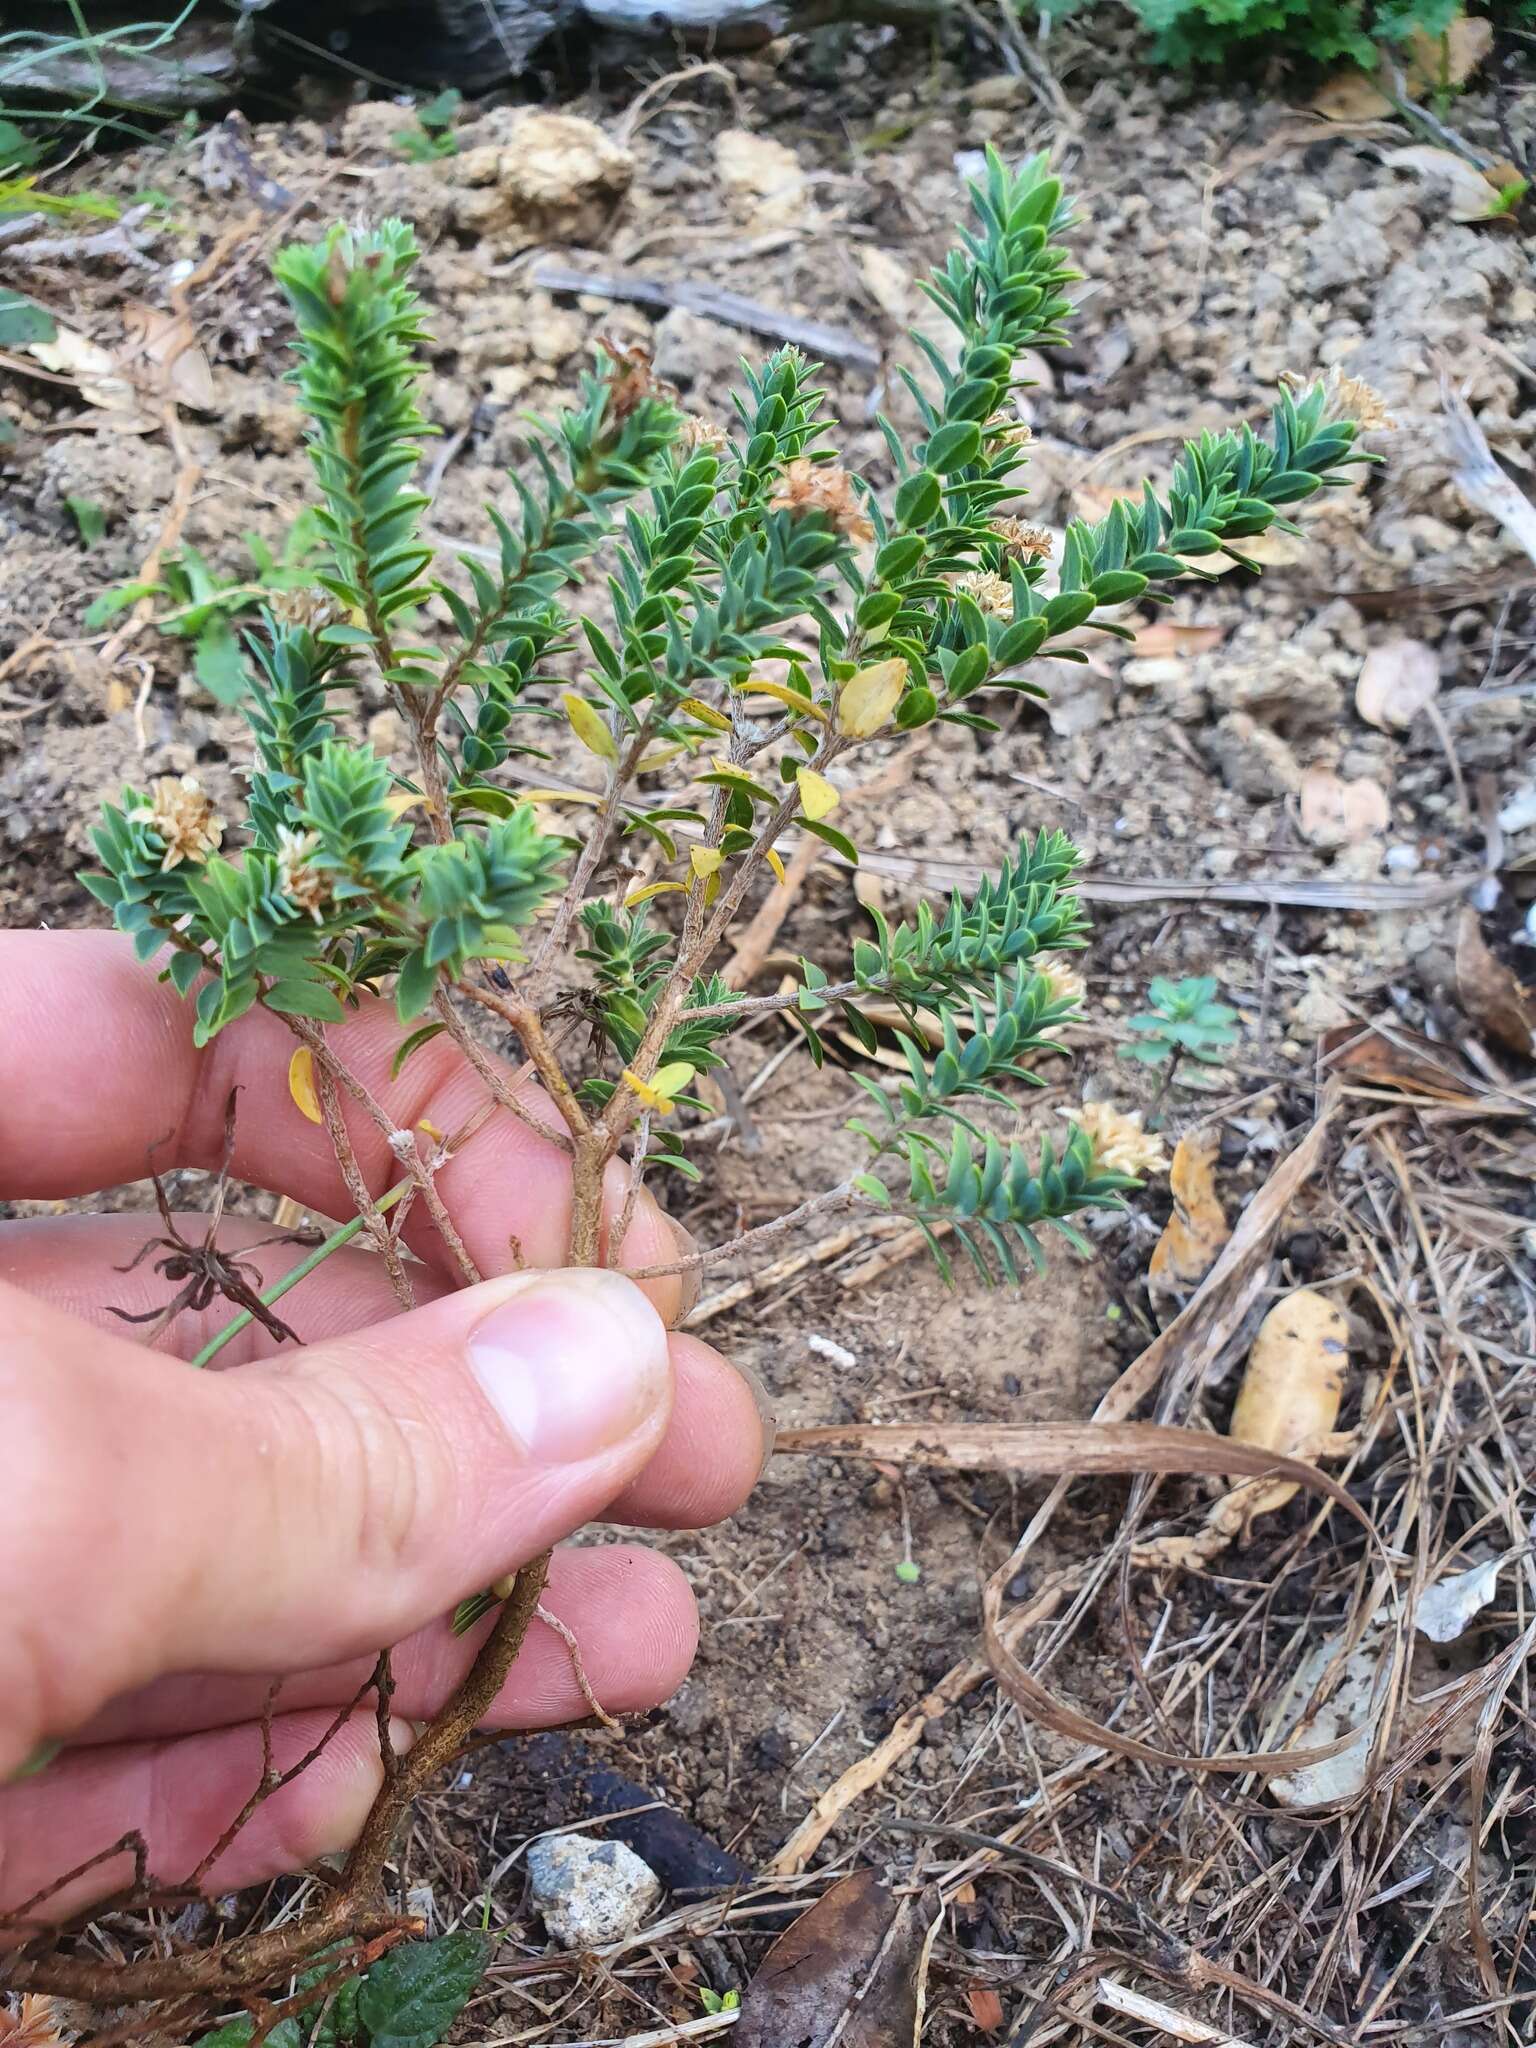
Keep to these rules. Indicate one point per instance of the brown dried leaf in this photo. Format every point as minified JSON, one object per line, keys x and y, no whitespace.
{"x":1351,"y":96}
{"x":96,"y":377}
{"x":165,"y":350}
{"x":1167,"y":636}
{"x":1492,"y":994}
{"x":1334,"y":812}
{"x":1397,"y":681}
{"x":852,"y":1965}
{"x":1293,"y":1382}
{"x":1416,"y":1065}
{"x":1451,"y":59}
{"x":986,"y":2007}
{"x":1195,"y":1233}
{"x":1469,"y":195}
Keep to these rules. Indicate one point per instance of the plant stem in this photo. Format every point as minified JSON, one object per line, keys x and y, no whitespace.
{"x":301,"y":1271}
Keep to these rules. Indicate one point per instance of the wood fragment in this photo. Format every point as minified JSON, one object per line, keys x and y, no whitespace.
{"x":1151,"y":2012}
{"x":713,"y":302}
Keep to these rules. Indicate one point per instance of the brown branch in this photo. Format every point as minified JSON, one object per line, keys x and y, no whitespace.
{"x":503,"y":1090}
{"x":356,"y":1910}
{"x":346,"y":1159}
{"x":844,"y":1196}
{"x":594,"y":847}
{"x":521,"y":1018}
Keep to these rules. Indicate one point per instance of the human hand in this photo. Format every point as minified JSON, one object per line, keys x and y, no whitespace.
{"x":171,"y":1541}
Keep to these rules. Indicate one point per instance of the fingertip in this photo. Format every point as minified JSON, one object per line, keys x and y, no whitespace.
{"x":718,"y":1441}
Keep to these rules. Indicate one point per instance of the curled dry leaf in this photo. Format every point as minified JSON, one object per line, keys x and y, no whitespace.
{"x":1435,"y":62}
{"x":1397,"y":681}
{"x":166,"y":347}
{"x":852,"y":1966}
{"x":1197,"y":1230}
{"x":1493,"y":995}
{"x":1350,"y":97}
{"x":1406,"y":1060}
{"x":1288,"y":1403}
{"x":1334,"y":812}
{"x":1451,"y":1605}
{"x":1346,"y":1716}
{"x":1294,"y":1383}
{"x":1469,"y":196}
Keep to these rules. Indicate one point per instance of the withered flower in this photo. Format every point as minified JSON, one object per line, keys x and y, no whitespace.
{"x":696,"y":433}
{"x":1028,"y":543}
{"x":1066,"y":984}
{"x":182,"y":813}
{"x":1120,"y":1145}
{"x":808,"y":486}
{"x":991,"y":594}
{"x":308,"y":887}
{"x":631,"y":377}
{"x":314,"y":609}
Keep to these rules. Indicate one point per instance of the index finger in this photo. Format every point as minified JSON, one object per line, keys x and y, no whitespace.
{"x":100,"y":1082}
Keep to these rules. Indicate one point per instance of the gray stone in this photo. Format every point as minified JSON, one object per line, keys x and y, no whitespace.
{"x":590,"y":1892}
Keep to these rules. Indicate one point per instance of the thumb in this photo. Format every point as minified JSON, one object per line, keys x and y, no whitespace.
{"x":310,"y":1508}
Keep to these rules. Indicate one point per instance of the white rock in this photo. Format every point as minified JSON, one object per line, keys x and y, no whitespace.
{"x":589,"y":1892}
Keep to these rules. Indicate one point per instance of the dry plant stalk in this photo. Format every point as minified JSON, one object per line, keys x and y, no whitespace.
{"x":451,"y":890}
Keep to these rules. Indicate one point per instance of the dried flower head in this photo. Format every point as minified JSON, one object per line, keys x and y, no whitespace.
{"x":1120,"y":1145}
{"x":1348,"y":398}
{"x":1065,"y":983}
{"x":37,"y":2023}
{"x":990,"y":594}
{"x":1011,"y":431}
{"x":1027,"y":543}
{"x":631,"y":378}
{"x":308,"y":887}
{"x":696,"y":433}
{"x":182,"y":813}
{"x":822,"y":487}
{"x":315,"y":609}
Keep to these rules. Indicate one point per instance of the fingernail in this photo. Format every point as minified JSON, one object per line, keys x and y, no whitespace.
{"x":573,"y":1362}
{"x":765,"y":1414}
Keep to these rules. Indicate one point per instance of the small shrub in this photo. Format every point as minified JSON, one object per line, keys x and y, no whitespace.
{"x":770,"y":615}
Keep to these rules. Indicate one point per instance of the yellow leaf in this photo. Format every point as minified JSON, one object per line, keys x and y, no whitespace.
{"x":651,"y":889}
{"x":399,"y":801}
{"x":430,"y":1128}
{"x":867,"y":699}
{"x":1293,"y":1384}
{"x":776,"y":864}
{"x":658,"y":759}
{"x":1195,"y":1233}
{"x":588,"y":725}
{"x":301,"y":1084}
{"x":794,"y":700}
{"x":659,"y":1092}
{"x":817,"y":795}
{"x":559,"y":796}
{"x":706,"y":714}
{"x":705,"y":860}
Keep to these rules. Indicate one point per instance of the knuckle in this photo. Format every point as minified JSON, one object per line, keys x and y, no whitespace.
{"x":385,"y":1476}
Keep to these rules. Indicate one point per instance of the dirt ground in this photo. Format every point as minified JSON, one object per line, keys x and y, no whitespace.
{"x":1225,"y":241}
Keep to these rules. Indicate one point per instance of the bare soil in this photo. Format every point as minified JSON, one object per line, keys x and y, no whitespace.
{"x":1226,"y":240}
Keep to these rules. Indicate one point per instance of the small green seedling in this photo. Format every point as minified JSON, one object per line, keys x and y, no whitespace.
{"x":717,"y":2001}
{"x":1185,"y":1019}
{"x":89,"y":517}
{"x":431,"y":138}
{"x":203,"y":606}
